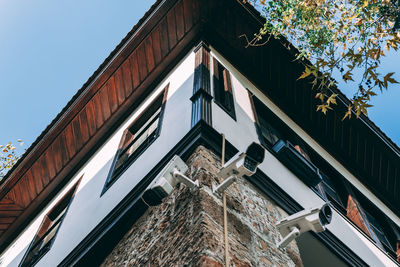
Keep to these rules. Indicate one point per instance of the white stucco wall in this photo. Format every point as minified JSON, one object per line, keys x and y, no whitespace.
{"x":88,"y":208}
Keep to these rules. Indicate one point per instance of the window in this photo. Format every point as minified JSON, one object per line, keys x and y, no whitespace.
{"x":378,"y":233}
{"x":328,"y":190}
{"x":379,"y":227}
{"x":138,"y":137}
{"x":48,"y":229}
{"x":223,"y":89}
{"x":268,"y":134}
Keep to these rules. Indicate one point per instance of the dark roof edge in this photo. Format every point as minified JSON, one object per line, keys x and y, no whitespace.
{"x":85,"y":86}
{"x":342,"y":97}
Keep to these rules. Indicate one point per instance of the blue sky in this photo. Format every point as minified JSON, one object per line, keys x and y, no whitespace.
{"x":48,"y":49}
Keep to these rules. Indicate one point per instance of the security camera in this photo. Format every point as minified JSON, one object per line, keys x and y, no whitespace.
{"x":240,"y":165}
{"x":313,"y":219}
{"x":166,"y":181}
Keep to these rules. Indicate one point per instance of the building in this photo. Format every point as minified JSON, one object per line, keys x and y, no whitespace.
{"x":178,"y":81}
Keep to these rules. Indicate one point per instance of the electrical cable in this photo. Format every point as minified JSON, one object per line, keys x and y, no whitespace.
{"x":224,"y":207}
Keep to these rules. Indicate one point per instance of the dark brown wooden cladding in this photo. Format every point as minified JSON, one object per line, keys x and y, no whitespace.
{"x":272,"y":69}
{"x":105,"y":98}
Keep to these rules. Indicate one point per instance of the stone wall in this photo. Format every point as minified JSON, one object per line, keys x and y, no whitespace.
{"x":187,"y":228}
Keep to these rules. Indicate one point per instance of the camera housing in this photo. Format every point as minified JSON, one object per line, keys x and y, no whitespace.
{"x":240,"y":165}
{"x":313,"y":219}
{"x":166,"y":181}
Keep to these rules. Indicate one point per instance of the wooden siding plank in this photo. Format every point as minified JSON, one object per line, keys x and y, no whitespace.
{"x":11,"y":195}
{"x":135,"y":70}
{"x":155,"y":35}
{"x":3,"y":226}
{"x":20,"y":196}
{"x":30,"y":187}
{"x":49,"y":161}
{"x":8,"y":220}
{"x":77,"y":133}
{"x":292,"y":87}
{"x":42,"y":164}
{"x":98,"y":113}
{"x":389,"y":173}
{"x":372,"y":162}
{"x":5,"y":207}
{"x":6,"y":200}
{"x":329,"y":121}
{"x":112,"y":96}
{"x":63,"y":145}
{"x":180,"y":22}
{"x":119,"y":86}
{"x":18,"y":201}
{"x":382,"y":171}
{"x":127,"y":77}
{"x":196,"y":10}
{"x":10,"y":213}
{"x":31,"y":184}
{"x":365,"y":153}
{"x":36,"y":176}
{"x":335,"y":128}
{"x":91,"y":118}
{"x":188,"y":14}
{"x":172,"y":39}
{"x":23,"y":188}
{"x":396,"y":182}
{"x":141,"y":56}
{"x":105,"y":103}
{"x":56,"y":153}
{"x":83,"y":124}
{"x":164,"y":37}
{"x":148,"y":43}
{"x":350,"y":146}
{"x":69,"y":140}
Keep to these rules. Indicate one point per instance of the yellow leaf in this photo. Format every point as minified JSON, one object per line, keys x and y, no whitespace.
{"x":305,"y":74}
{"x":348,"y":76}
{"x":348,"y":113}
{"x":388,"y":78}
{"x":323,"y":108}
{"x":353,"y":17}
{"x":332,"y":99}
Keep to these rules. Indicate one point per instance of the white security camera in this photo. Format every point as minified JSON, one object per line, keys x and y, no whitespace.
{"x":240,"y":165}
{"x":313,"y":219}
{"x":166,"y":181}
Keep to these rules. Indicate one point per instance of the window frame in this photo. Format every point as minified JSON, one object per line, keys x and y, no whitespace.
{"x":226,"y":84}
{"x":114,"y":174}
{"x":66,"y":201}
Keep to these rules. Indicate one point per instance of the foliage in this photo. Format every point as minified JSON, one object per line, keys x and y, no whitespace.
{"x":347,"y":36}
{"x":8,"y":157}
